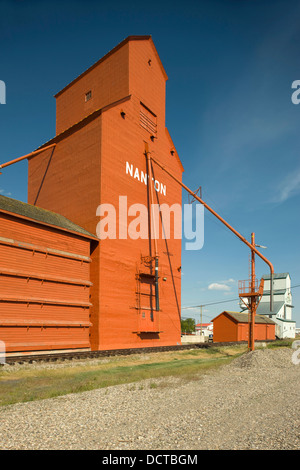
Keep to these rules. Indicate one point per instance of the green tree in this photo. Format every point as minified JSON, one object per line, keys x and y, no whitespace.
{"x":188,"y":325}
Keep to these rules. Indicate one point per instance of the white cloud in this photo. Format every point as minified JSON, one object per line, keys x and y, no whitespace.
{"x":222,"y":285}
{"x":4,"y":193}
{"x":228,"y":281}
{"x":217,"y":286}
{"x":288,"y":187}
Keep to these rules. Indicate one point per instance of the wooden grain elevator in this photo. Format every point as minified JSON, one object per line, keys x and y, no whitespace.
{"x":105,"y":119}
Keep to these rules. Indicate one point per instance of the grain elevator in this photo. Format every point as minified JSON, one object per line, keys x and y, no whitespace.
{"x":108,"y":121}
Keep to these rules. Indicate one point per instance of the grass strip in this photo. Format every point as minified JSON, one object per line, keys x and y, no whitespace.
{"x":28,"y":384}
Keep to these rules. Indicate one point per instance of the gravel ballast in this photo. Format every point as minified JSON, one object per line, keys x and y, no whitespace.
{"x":252,"y":403}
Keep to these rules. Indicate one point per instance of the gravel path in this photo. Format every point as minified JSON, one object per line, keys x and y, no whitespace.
{"x":253,"y":403}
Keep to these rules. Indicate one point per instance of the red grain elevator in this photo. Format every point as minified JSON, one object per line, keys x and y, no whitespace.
{"x":105,"y":119}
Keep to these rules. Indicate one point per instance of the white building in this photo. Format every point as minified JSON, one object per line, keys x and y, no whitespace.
{"x":282,"y":304}
{"x":206,"y":329}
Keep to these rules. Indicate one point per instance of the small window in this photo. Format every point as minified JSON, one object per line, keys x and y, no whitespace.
{"x":88,"y":96}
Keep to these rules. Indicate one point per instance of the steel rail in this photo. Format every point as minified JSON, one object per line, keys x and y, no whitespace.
{"x":13,"y":358}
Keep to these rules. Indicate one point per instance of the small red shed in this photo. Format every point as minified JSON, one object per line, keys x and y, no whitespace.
{"x":234,"y":326}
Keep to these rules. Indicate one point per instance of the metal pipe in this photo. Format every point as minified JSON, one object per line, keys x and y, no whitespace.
{"x":252,"y":298}
{"x":152,"y":225}
{"x":271,"y":292}
{"x":152,"y":219}
{"x":253,"y":248}
{"x":156,"y":285}
{"x":16,"y":160}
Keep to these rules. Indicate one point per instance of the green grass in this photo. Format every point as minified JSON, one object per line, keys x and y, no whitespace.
{"x":280,"y":343}
{"x":23,"y":384}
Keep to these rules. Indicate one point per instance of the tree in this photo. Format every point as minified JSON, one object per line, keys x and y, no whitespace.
{"x":188,"y":325}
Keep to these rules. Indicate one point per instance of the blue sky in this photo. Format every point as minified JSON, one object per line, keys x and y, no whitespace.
{"x":230,"y":65}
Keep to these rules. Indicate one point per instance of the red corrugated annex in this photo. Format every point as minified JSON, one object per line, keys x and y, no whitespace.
{"x":44,"y":283}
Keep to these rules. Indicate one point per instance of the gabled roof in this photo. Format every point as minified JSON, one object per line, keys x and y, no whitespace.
{"x":275,"y":292}
{"x":240,"y":317}
{"x":284,"y":320}
{"x":43,"y":216}
{"x":115,"y":49}
{"x":78,"y":125}
{"x":275,"y":276}
{"x":264,"y":308}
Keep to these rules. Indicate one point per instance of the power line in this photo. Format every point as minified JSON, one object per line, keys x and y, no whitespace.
{"x":186,"y":318}
{"x":225,"y":301}
{"x":210,"y":303}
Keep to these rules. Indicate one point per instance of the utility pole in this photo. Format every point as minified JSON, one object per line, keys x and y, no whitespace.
{"x":253,"y":298}
{"x":250,"y":290}
{"x":201,"y":320}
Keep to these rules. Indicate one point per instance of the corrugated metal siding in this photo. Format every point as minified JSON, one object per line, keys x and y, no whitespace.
{"x":44,"y":338}
{"x":32,"y":232}
{"x":15,"y":256}
{"x":44,"y":287}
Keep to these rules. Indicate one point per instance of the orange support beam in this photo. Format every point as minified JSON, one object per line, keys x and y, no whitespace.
{"x":32,"y":154}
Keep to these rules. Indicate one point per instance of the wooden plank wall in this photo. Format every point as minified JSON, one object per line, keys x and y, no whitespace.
{"x":44,"y":287}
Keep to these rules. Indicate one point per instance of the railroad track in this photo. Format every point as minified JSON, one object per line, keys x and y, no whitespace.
{"x":105,"y":353}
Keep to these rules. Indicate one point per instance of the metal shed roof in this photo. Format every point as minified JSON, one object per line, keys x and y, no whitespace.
{"x":264,"y":308}
{"x":275,"y":276}
{"x":275,"y":292}
{"x":241,"y":317}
